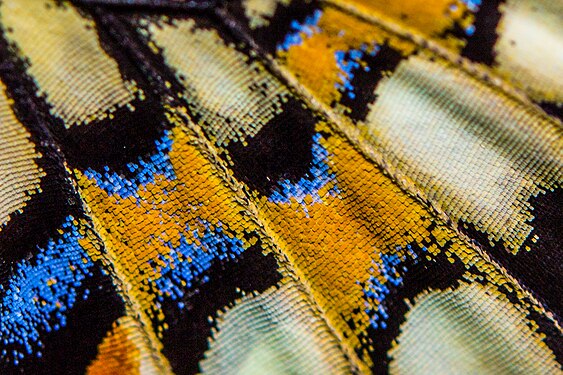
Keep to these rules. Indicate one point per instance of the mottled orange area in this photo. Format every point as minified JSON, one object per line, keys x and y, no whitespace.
{"x":313,"y":61}
{"x":336,"y":243}
{"x":353,"y":32}
{"x":332,"y":246}
{"x":320,"y":72}
{"x":117,"y":354}
{"x":127,"y":226}
{"x":427,"y":17}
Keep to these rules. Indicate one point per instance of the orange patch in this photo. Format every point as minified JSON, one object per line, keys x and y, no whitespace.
{"x":427,"y":17}
{"x":117,"y":354}
{"x":313,"y":61}
{"x":127,"y":225}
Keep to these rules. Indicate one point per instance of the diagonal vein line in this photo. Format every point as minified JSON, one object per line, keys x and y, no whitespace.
{"x":367,"y":150}
{"x":120,"y":28}
{"x":136,"y":311}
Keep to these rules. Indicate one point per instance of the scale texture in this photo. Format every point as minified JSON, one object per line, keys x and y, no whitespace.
{"x":281,"y":187}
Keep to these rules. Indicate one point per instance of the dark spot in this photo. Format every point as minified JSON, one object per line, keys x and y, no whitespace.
{"x":553,"y":109}
{"x":480,"y":46}
{"x":115,"y":142}
{"x":280,"y":150}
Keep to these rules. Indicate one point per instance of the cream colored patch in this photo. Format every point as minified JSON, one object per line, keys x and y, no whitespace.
{"x":530,"y":46}
{"x":68,"y":64}
{"x":234,"y":97}
{"x":470,"y":330}
{"x":477,"y":155}
{"x":258,"y":12}
{"x":19,"y":174}
{"x":273,"y":333}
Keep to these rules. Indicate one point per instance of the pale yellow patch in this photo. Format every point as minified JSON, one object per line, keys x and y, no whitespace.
{"x":472,"y":329}
{"x":472,"y":151}
{"x":260,"y":11}
{"x":234,"y":97}
{"x":19,"y":174}
{"x":530,"y":47}
{"x":275,"y":332}
{"x":66,"y":60}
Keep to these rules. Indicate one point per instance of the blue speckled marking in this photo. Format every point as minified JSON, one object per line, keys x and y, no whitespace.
{"x":144,"y":171}
{"x":190,"y":259}
{"x":308,"y":28}
{"x":348,"y":62}
{"x":473,"y":6}
{"x":318,"y":177}
{"x":42,"y":290}
{"x":375,"y":291}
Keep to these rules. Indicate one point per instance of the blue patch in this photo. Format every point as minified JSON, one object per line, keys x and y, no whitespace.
{"x":470,"y":30}
{"x":472,"y":5}
{"x":144,"y":170}
{"x":308,"y":28}
{"x":318,"y":177}
{"x":376,"y":291}
{"x":348,"y":62}
{"x":190,"y":259}
{"x":42,"y":290}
